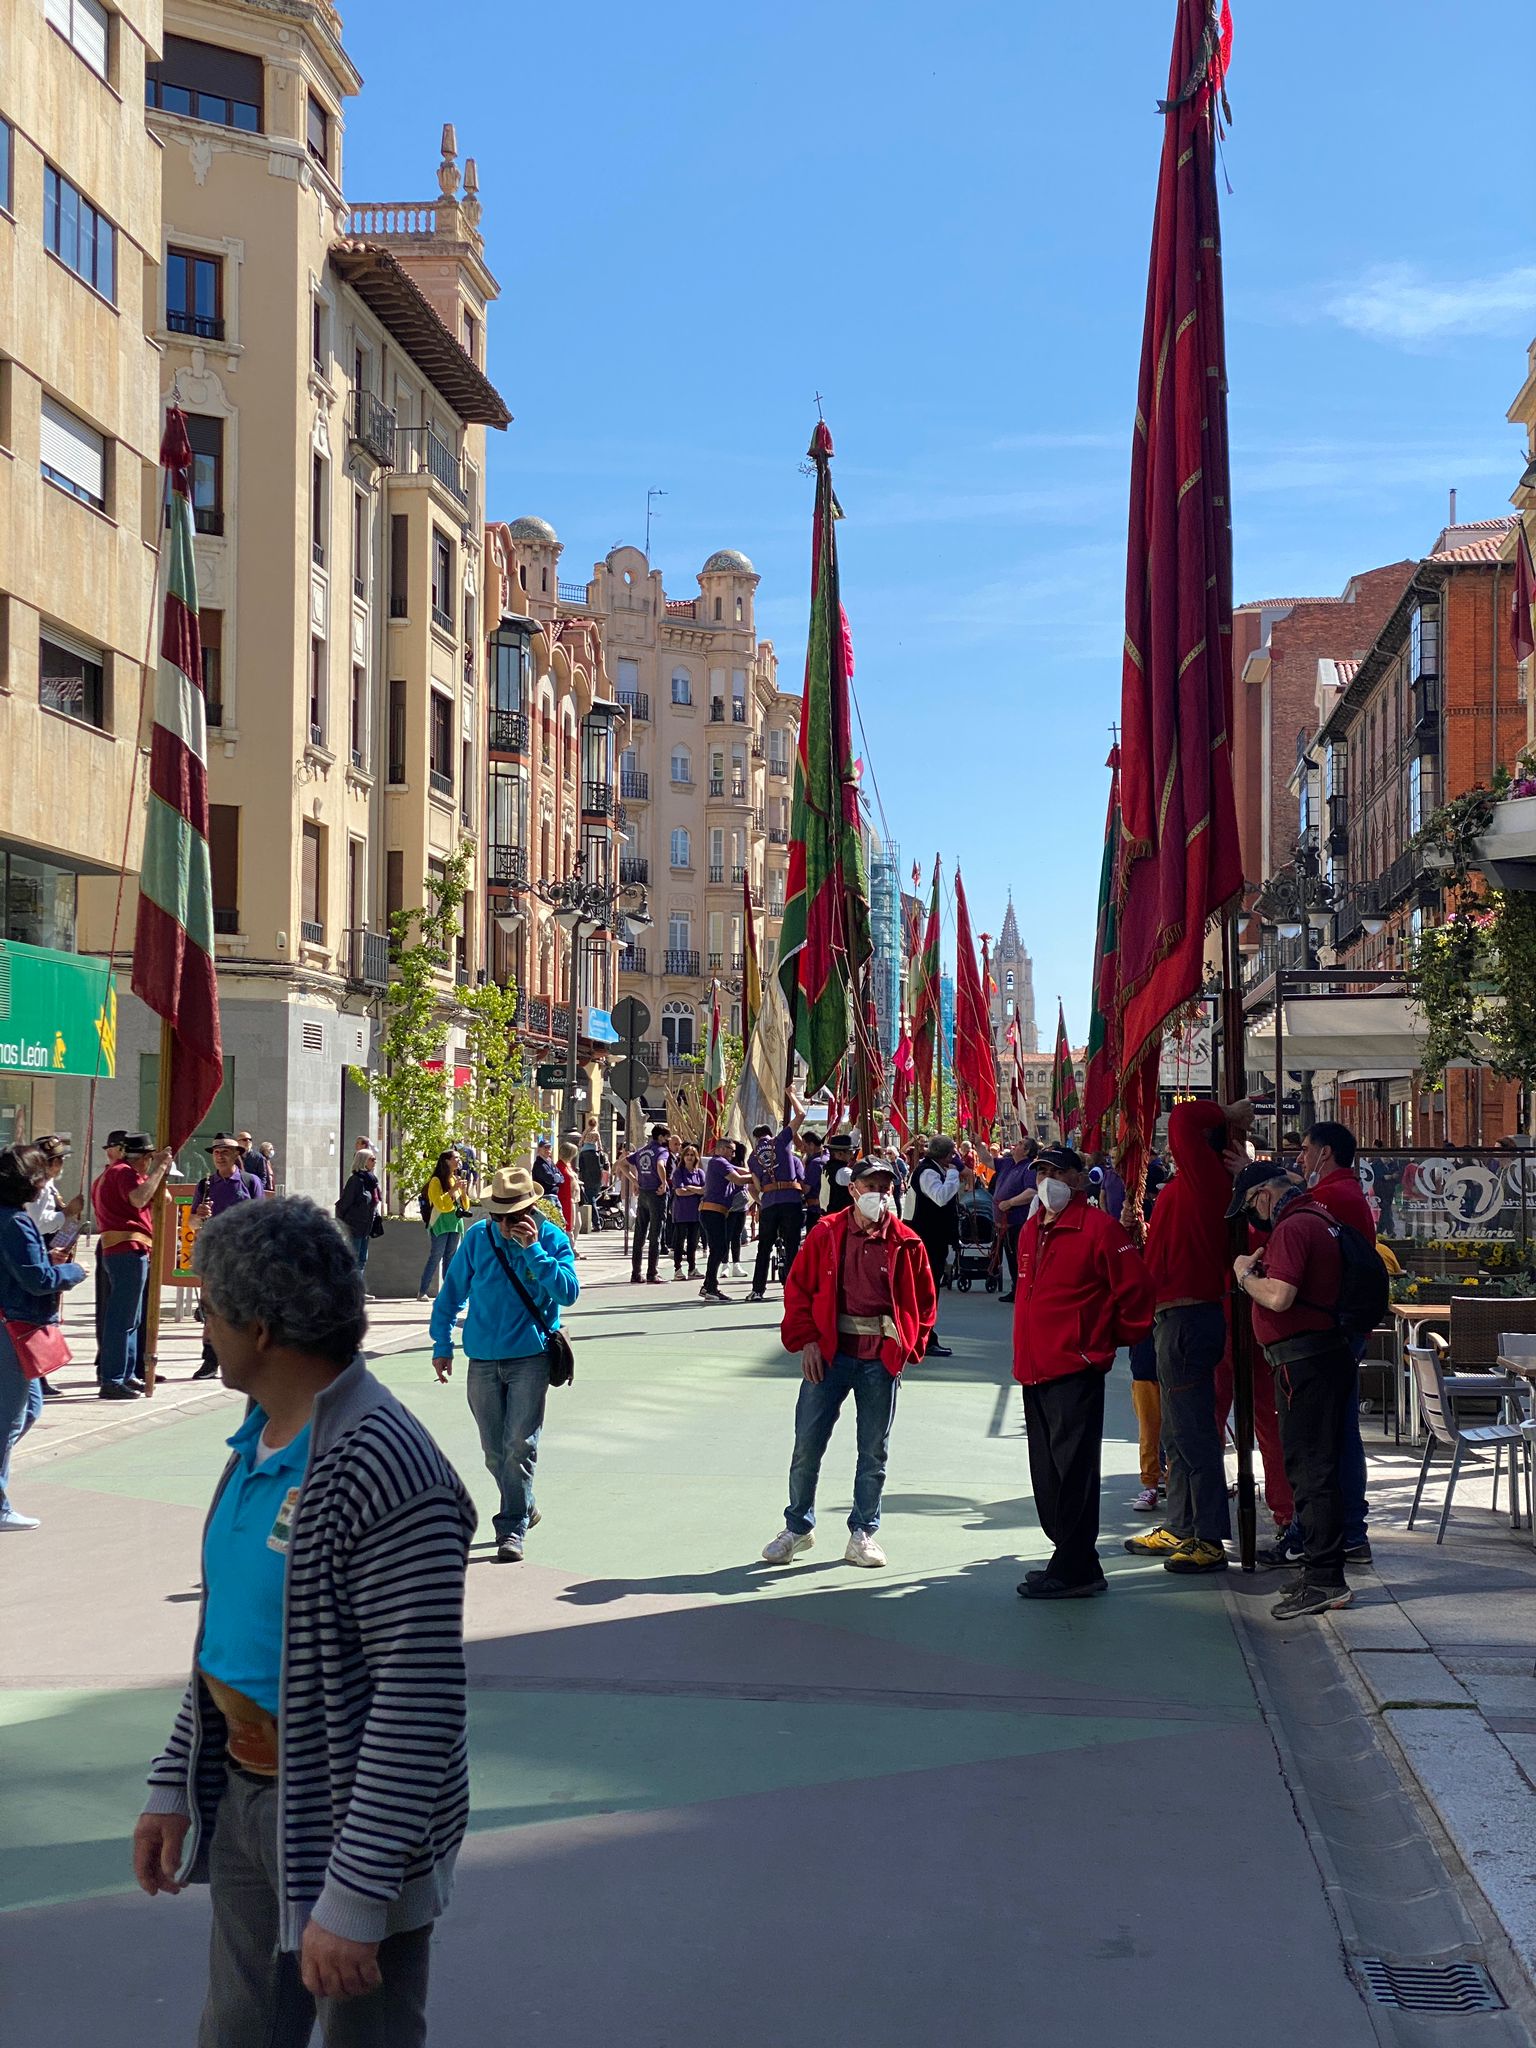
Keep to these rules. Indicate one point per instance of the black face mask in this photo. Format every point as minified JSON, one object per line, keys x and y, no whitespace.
{"x":1257,"y":1222}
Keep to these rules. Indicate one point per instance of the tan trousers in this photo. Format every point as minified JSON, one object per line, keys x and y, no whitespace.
{"x":1147,"y":1399}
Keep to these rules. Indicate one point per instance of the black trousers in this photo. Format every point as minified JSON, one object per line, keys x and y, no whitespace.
{"x":735,"y":1233}
{"x":1313,"y":1397}
{"x":685,"y":1244}
{"x":778,"y":1223}
{"x":649,"y":1215}
{"x":1011,"y":1257}
{"x":1065,"y":1422}
{"x":717,"y":1231}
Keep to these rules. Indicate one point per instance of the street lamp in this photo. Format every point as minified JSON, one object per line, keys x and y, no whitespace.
{"x":580,"y":905}
{"x":1290,"y":903}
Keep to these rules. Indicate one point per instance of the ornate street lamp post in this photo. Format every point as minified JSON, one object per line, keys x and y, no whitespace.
{"x":578,"y":906}
{"x":1291,"y":902}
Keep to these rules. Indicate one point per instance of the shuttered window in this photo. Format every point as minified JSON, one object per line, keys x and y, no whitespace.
{"x":207,"y":83}
{"x":224,"y":865}
{"x":71,"y":677}
{"x":73,"y":455}
{"x":85,"y":24}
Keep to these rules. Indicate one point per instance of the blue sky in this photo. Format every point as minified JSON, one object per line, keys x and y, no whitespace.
{"x":701,"y":216}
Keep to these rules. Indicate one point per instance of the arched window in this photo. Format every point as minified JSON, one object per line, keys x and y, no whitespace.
{"x":1009,"y":981}
{"x":739,"y":612}
{"x":718,"y":603}
{"x":682,"y":847}
{"x":682,"y":765}
{"x":682,"y":686}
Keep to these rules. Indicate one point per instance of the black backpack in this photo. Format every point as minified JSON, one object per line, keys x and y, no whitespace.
{"x":1364,"y":1286}
{"x":424,"y":1203}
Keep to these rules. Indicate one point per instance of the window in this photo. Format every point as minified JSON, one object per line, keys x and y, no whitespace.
{"x":86,"y":25}
{"x":509,"y":676}
{"x":316,"y":692}
{"x":682,"y":848}
{"x":317,"y":133}
{"x":441,"y":776}
{"x":71,"y":678}
{"x":682,"y":765}
{"x":469,"y":641}
{"x":224,"y":865}
{"x":1423,"y":643}
{"x":73,"y":456}
{"x":677,"y":1033}
{"x":1008,"y":982}
{"x":205,"y":83}
{"x":399,"y":565}
{"x":472,"y":337}
{"x":311,"y":886}
{"x":210,"y":628}
{"x":317,"y":348}
{"x":1422,"y":799}
{"x":194,"y":294}
{"x":442,"y":581}
{"x":6,"y":144}
{"x":717,"y":608}
{"x":82,"y":239}
{"x":506,"y":822}
{"x":317,"y":499}
{"x":397,"y":732}
{"x":394,"y":883}
{"x":682,"y":686}
{"x":629,"y":681}
{"x":679,"y":931}
{"x":40,"y":903}
{"x":359,"y":545}
{"x":207,"y":438}
{"x":467,"y":782}
{"x":357,"y":717}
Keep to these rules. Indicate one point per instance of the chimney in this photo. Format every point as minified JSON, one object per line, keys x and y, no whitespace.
{"x":1453,"y":504}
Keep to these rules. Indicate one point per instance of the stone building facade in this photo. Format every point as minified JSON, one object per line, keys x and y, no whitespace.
{"x":1013,"y":993}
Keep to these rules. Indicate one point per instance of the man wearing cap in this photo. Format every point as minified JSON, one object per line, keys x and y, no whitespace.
{"x":936,"y":1215}
{"x":515,"y":1271}
{"x":721,"y":1176}
{"x":230,"y":1183}
{"x":1294,"y":1283}
{"x":858,"y":1307}
{"x":124,"y":1198}
{"x":1082,"y":1292}
{"x":837,"y":1177}
{"x":648,"y":1170}
{"x":813,"y":1146}
{"x":778,"y":1182}
{"x":112,"y":1147}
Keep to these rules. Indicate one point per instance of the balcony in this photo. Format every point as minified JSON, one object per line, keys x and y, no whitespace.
{"x":538,"y":1015}
{"x":370,"y":959}
{"x":739,"y":713}
{"x":633,"y":869}
{"x":202,"y":326}
{"x":738,"y":963}
{"x":312,"y":934}
{"x":226,"y":922}
{"x":716,"y":785}
{"x":758,"y":822}
{"x":632,"y":960}
{"x":680,"y":960}
{"x":717,"y":711}
{"x":713,"y":962}
{"x":509,"y":732}
{"x":508,"y":866}
{"x":738,"y":874}
{"x":597,"y":799}
{"x":635,"y":785}
{"x":206,"y":519}
{"x":638,"y":704}
{"x":430,"y":453}
{"x":441,"y":784}
{"x":373,"y":428}
{"x":778,"y":835}
{"x":571,"y":593}
{"x":757,"y":750}
{"x":443,"y":620}
{"x":779,"y":770}
{"x":716,"y":872}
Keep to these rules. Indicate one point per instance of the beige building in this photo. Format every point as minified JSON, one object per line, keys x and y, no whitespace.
{"x":330,"y":361}
{"x":79,"y":439}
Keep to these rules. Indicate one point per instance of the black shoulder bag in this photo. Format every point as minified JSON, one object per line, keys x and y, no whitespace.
{"x":557,"y":1350}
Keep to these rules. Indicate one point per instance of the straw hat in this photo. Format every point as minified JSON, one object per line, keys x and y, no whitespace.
{"x":513,"y":1191}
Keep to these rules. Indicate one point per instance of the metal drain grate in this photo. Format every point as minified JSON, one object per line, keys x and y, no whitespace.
{"x":1430,"y":1987}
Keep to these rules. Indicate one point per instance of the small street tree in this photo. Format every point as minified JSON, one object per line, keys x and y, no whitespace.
{"x":498,"y":1115}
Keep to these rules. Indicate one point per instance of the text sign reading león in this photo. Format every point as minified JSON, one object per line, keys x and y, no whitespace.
{"x":58,"y":1013}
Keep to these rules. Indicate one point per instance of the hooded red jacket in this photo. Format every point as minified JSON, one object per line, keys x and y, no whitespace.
{"x":1083,"y":1291}
{"x":1188,"y":1251}
{"x":811,"y":1292}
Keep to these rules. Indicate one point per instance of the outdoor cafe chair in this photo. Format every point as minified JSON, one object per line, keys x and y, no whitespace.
{"x":1437,"y":1407}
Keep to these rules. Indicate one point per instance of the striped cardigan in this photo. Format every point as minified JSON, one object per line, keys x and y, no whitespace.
{"x":373,"y":1777}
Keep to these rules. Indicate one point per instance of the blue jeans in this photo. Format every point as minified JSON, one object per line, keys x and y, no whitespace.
{"x":21,"y":1403}
{"x":360,"y":1246}
{"x":126,"y":1273}
{"x":440,"y":1251}
{"x":506,"y":1398}
{"x":874,"y":1399}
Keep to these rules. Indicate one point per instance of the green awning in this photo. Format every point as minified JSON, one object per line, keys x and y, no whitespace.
{"x":58,"y":1013}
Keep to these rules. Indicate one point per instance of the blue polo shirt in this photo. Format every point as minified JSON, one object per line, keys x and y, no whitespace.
{"x":245,"y":1564}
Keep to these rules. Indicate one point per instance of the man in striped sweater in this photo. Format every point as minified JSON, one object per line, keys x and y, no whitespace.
{"x":316,"y":1778}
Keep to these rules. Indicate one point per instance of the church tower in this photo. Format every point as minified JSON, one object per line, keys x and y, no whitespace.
{"x":1014,"y":976}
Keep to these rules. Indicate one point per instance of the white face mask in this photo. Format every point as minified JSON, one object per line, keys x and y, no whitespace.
{"x":873,"y":1206}
{"x":1054,"y":1195}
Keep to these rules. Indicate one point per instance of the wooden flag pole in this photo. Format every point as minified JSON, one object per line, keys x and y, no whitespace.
{"x":1234,"y":1086}
{"x":162,"y":1214}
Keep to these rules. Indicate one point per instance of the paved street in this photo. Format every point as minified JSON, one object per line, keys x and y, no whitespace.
{"x":716,"y":1800}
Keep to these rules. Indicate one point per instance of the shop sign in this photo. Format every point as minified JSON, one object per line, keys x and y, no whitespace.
{"x":58,"y":1013}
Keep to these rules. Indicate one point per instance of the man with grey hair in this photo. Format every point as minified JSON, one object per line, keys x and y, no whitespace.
{"x":936,"y":1215}
{"x":316,"y":1778}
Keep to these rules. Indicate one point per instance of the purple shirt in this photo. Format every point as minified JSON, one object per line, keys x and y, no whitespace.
{"x":718,"y":1183}
{"x":647,"y":1160}
{"x":780,"y":1170}
{"x":221,"y":1194}
{"x":687,"y":1187}
{"x":815,"y":1167}
{"x":1013,"y":1177}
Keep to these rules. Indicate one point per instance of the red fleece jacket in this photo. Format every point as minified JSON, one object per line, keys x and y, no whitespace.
{"x":1187,"y":1252}
{"x":811,"y":1292}
{"x":1083,"y":1292}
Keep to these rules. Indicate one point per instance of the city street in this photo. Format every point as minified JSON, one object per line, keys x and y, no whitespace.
{"x":715,"y":1800}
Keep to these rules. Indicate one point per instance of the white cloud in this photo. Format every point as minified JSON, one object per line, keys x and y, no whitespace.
{"x":1398,"y":302}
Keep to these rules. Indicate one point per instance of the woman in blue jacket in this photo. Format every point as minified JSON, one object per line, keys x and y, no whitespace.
{"x":508,"y":1370}
{"x":30,"y":1285}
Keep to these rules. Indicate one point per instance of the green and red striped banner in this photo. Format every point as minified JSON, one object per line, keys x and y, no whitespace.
{"x":173,"y":969}
{"x":924,"y":1000}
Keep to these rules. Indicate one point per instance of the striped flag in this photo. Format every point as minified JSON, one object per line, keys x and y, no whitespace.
{"x":714,"y":1073}
{"x":1522,"y":637}
{"x":752,"y":979}
{"x":173,"y":971}
{"x":1064,"y":1103}
{"x":924,"y":998}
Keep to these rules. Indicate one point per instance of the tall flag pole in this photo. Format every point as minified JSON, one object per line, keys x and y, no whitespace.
{"x":925,"y":1003}
{"x":1099,"y":1081}
{"x":824,"y":939}
{"x":752,"y":977}
{"x":1181,"y":864}
{"x":714,"y":1074}
{"x":173,"y":963}
{"x":902,"y":1075}
{"x":1064,"y":1103}
{"x":975,"y":1066}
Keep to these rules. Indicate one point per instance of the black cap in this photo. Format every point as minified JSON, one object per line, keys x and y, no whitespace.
{"x":1062,"y":1157}
{"x":842,"y":1142}
{"x":1257,"y":1175}
{"x":873,"y":1162}
{"x":115,"y":1138}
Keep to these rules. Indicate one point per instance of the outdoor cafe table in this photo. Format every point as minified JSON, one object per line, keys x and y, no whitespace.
{"x":1409,"y":1319}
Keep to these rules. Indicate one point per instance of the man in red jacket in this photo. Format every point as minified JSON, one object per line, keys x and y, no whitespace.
{"x":858,"y":1306}
{"x":1187,"y":1255}
{"x":1082,"y":1292}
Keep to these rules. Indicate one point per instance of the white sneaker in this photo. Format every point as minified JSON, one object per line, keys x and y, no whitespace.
{"x":1145,"y":1502}
{"x":9,"y":1519}
{"x":863,"y":1549}
{"x":738,"y":1271}
{"x":787,"y":1544}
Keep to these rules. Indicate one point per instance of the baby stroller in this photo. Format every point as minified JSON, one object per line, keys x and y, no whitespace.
{"x":608,"y":1208}
{"x":974,"y":1255}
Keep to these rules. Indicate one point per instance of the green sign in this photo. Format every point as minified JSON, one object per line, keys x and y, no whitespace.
{"x":58,"y":1013}
{"x":551,"y":1077}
